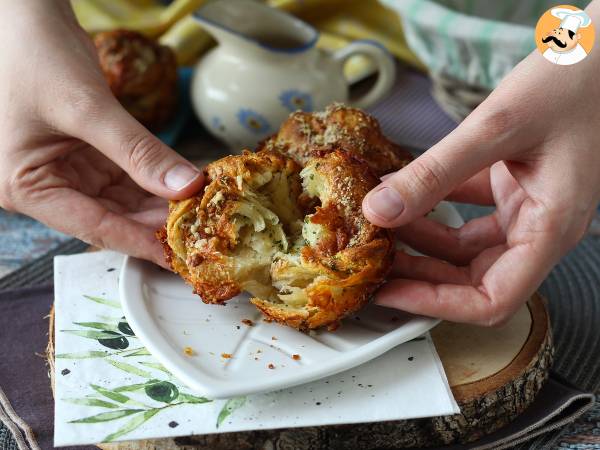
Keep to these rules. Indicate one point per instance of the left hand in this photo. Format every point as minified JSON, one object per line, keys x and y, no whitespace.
{"x":87,"y":195}
{"x":72,"y":156}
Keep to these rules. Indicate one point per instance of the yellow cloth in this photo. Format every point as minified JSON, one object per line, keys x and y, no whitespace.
{"x":339,"y":21}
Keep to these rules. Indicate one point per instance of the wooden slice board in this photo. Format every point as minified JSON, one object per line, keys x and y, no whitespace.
{"x":494,"y":375}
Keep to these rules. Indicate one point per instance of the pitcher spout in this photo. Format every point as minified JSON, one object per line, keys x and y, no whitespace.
{"x":243,"y":23}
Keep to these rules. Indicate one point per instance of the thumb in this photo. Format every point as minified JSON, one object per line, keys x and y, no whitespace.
{"x":415,"y":189}
{"x":157,"y":168}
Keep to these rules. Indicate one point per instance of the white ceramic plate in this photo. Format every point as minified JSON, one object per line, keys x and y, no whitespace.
{"x":167,"y":317}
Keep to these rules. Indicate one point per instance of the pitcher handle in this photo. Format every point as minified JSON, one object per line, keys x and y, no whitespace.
{"x":384,"y":62}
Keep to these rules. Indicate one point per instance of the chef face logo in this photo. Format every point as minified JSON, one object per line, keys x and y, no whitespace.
{"x":561,"y":40}
{"x":564,"y":35}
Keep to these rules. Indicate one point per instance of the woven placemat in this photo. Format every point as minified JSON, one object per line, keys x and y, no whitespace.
{"x":40,"y":271}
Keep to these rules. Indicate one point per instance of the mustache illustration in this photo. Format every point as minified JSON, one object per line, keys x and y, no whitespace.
{"x":556,"y":41}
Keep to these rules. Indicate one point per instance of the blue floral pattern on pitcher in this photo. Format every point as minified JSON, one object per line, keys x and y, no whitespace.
{"x":253,"y":121}
{"x":295,"y":100}
{"x":217,"y":124}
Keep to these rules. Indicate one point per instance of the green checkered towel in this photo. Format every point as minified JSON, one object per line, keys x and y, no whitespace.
{"x":476,"y":42}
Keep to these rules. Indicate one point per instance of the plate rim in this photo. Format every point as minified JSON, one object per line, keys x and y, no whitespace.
{"x":134,"y":309}
{"x":218,"y":388}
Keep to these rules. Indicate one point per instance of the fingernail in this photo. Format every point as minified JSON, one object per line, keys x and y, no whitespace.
{"x":385,"y":203}
{"x":180,"y":176}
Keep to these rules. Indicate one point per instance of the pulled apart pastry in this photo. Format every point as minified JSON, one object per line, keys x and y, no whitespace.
{"x":286,"y":226}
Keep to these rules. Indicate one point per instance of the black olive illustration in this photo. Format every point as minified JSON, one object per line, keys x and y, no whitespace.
{"x":162,"y":391}
{"x":125,"y":328}
{"x":119,"y":342}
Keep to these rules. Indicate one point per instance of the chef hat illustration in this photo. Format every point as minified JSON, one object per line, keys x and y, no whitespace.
{"x":571,"y":20}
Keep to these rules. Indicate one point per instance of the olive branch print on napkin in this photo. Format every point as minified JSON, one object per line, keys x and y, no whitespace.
{"x":115,"y":342}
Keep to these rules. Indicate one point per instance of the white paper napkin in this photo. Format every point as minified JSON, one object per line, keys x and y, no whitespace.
{"x":109,"y":388}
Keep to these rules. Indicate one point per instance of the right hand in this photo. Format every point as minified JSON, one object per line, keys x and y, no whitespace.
{"x":72,"y":157}
{"x":530,"y":149}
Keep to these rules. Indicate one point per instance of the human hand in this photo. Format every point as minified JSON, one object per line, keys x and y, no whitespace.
{"x":532,"y":150}
{"x":72,"y":157}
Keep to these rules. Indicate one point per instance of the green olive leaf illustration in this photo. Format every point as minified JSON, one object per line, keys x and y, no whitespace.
{"x":96,"y":325}
{"x":104,"y":301}
{"x":156,"y":366}
{"x":82,"y":355}
{"x":130,"y":369}
{"x":132,"y":425}
{"x":125,"y":328}
{"x":90,"y":402}
{"x":117,"y":342}
{"x":93,"y":334}
{"x":138,"y":352}
{"x":230,"y":406}
{"x":134,"y":387}
{"x":163,"y":391}
{"x":115,"y":396}
{"x":107,"y":416}
{"x":189,"y":398}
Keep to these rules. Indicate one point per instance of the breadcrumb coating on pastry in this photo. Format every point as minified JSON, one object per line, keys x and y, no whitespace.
{"x":338,"y":127}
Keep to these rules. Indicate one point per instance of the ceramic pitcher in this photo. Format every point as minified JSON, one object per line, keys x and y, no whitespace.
{"x":265,"y":66}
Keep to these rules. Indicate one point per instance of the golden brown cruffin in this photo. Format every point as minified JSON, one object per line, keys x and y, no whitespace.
{"x":338,"y":127}
{"x":141,"y":73}
{"x":295,"y":238}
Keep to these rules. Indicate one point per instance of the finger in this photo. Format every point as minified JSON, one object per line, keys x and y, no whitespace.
{"x":518,"y":272}
{"x":125,"y":196}
{"x":153,"y":202}
{"x":512,"y":278}
{"x":113,"y":206}
{"x":476,"y":190}
{"x":412,"y":191}
{"x":434,"y":270}
{"x":78,"y":215}
{"x":103,"y":123}
{"x":456,"y":245}
{"x":149,"y":212}
{"x":457,"y":303}
{"x":154,"y":218}
{"x":386,"y":176}
{"x":429,"y":269}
